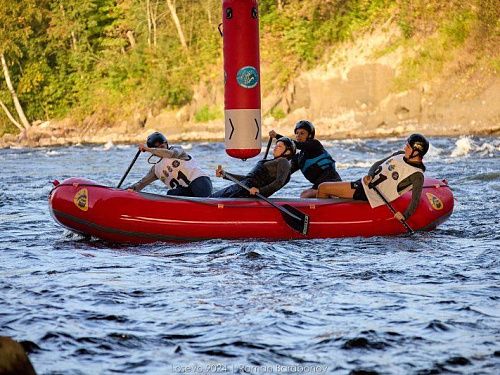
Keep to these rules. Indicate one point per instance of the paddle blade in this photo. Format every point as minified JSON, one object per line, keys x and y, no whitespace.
{"x":299,"y":224}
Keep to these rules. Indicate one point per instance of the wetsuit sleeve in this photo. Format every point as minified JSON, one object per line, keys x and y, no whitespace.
{"x":281,"y":178}
{"x":310,"y":147}
{"x":417,"y":182}
{"x":171,"y":153}
{"x":294,"y":164}
{"x":235,"y":176}
{"x":377,"y":164}
{"x":145,"y":181}
{"x":278,"y":136}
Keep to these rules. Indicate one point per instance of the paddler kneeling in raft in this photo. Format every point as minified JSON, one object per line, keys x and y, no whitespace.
{"x":266,"y":178}
{"x":315,"y":163}
{"x":391,"y":176}
{"x":176,"y":169}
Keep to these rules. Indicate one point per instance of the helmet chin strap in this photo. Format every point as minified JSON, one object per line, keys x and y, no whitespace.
{"x":414,"y":153}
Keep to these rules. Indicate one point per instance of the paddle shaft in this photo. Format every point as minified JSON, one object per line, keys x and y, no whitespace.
{"x":129,"y":168}
{"x":268,"y":147}
{"x":282,"y":209}
{"x":405,"y":224}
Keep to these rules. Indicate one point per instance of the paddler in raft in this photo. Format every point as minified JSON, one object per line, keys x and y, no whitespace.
{"x":266,"y":178}
{"x":392,"y":176}
{"x":315,"y":163}
{"x":176,"y":169}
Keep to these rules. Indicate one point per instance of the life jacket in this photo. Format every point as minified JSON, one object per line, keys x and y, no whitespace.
{"x":315,"y":167}
{"x":177,"y":172}
{"x":387,"y":178}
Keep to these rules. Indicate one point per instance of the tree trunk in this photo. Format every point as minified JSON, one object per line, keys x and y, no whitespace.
{"x":11,"y":118}
{"x":280,"y":4}
{"x":173,"y":12}
{"x":131,"y":39}
{"x":15,"y":99}
{"x":154,"y":16}
{"x":148,"y":15}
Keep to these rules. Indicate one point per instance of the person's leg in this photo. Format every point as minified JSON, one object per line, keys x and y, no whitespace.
{"x":232,"y":191}
{"x":201,"y":187}
{"x":309,"y":193}
{"x":335,"y":189}
{"x":180,"y":191}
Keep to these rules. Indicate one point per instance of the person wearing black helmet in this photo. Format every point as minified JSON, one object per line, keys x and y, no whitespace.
{"x":316,"y":164}
{"x":266,"y":178}
{"x":176,"y":169}
{"x":393,"y":176}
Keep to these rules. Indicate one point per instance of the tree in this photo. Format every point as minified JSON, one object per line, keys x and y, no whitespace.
{"x":21,"y":17}
{"x":175,"y":18}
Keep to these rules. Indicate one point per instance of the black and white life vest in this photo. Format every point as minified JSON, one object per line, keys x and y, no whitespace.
{"x":177,"y":172}
{"x":387,"y":177}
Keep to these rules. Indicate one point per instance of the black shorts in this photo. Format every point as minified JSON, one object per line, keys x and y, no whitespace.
{"x":359,"y":192}
{"x":330,"y":176}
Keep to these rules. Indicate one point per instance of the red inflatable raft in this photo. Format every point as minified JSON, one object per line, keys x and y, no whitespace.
{"x":116,"y":215}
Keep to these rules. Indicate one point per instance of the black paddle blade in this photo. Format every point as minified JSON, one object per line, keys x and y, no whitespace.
{"x":300,"y":224}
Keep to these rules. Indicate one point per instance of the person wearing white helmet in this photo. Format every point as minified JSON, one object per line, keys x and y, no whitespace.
{"x":176,"y":169}
{"x":392,"y":176}
{"x":315,"y":163}
{"x":266,"y":178}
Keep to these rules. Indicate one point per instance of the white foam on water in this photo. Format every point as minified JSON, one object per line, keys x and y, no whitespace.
{"x":462,"y":147}
{"x":52,"y":153}
{"x":109,"y":145}
{"x":434,"y":152}
{"x":125,"y":147}
{"x":488,"y":149}
{"x":465,"y":145}
{"x":187,"y":146}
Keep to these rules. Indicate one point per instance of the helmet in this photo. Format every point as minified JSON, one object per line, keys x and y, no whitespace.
{"x":289,"y":146}
{"x":307,"y":126}
{"x":419,"y":145}
{"x":155,"y":139}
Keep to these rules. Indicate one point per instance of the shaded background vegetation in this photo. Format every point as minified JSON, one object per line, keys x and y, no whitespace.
{"x":74,"y":58}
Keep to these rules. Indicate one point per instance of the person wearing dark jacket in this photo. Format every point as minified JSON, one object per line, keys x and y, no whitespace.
{"x":315,"y":163}
{"x":266,"y":178}
{"x":392,"y":176}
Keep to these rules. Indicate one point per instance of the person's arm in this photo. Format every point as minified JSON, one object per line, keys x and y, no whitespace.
{"x":311,"y":147}
{"x":236,"y":176}
{"x":171,"y":153}
{"x":145,"y":181}
{"x":417,"y":182}
{"x":294,"y":164}
{"x":374,"y":167}
{"x":282,"y":174}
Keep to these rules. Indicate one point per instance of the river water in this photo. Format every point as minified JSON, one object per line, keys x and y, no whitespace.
{"x":425,"y":304}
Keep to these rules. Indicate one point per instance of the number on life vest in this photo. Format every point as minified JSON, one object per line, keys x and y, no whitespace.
{"x":380,"y":178}
{"x":174,"y":183}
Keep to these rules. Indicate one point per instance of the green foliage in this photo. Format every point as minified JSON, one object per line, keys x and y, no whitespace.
{"x":81,"y":57}
{"x":495,"y":65}
{"x":206,"y":113}
{"x":278,"y":113}
{"x":436,"y":50}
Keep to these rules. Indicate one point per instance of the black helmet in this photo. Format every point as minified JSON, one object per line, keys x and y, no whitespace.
{"x":419,"y":144}
{"x":155,"y":139}
{"x":307,"y":126}
{"x":289,"y":146}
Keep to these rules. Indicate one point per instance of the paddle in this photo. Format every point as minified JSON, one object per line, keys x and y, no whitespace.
{"x":129,"y":168}
{"x":268,"y":147}
{"x":297,"y":220}
{"x":405,"y":224}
